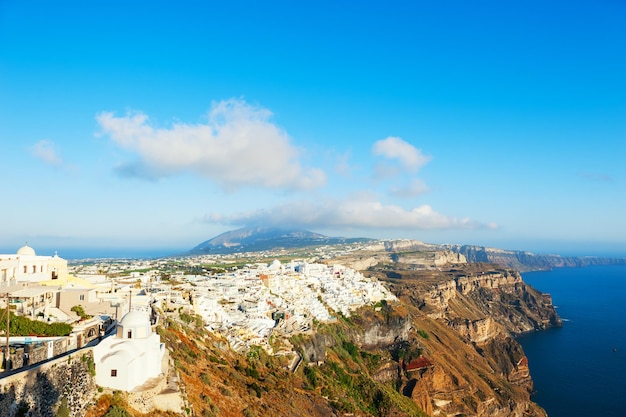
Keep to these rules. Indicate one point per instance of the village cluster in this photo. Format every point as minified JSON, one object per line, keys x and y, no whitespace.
{"x":116,"y":301}
{"x":247,"y":304}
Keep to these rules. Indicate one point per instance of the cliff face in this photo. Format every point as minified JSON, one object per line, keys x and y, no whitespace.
{"x":402,"y":252}
{"x":424,"y":254}
{"x":469,"y":315}
{"x":371,"y":331}
{"x":451,"y":340}
{"x":430,"y":258}
{"x":498,"y":294}
{"x":527,"y":261}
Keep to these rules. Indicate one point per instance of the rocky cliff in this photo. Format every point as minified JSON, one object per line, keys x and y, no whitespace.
{"x":401,"y":253}
{"x":527,"y":261}
{"x":467,"y":316}
{"x":424,"y":253}
{"x":450,"y":344}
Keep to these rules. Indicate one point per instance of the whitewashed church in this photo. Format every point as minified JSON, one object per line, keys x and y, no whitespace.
{"x":131,"y":357}
{"x":26,"y":266}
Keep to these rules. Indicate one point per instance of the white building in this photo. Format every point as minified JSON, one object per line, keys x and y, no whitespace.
{"x":131,"y":357}
{"x":26,"y":266}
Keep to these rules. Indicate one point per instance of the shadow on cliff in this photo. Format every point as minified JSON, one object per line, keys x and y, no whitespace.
{"x":8,"y":400}
{"x":45,"y":395}
{"x":37,"y":398}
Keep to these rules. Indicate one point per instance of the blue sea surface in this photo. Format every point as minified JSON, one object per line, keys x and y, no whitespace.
{"x":113,"y":253}
{"x":74,"y":253}
{"x":580,"y":368}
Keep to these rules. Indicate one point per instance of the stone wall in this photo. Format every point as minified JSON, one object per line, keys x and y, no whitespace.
{"x":59,"y":347}
{"x":37,"y":353}
{"x":32,"y":353}
{"x":66,"y":383}
{"x":27,"y":355}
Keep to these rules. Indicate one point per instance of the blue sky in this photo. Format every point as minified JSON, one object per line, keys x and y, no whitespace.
{"x":154,"y":126}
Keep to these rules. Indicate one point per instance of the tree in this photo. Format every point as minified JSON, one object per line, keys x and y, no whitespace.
{"x":81,"y":312}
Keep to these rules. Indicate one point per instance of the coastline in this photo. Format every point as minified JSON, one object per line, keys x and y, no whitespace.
{"x":589,"y":300}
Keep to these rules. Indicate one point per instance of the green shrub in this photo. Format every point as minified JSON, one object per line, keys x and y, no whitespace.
{"x":252,"y":372}
{"x":205,"y":378}
{"x":117,"y":411}
{"x":424,"y":334}
{"x":63,"y":410}
{"x":311,"y":376}
{"x":23,"y":326}
{"x":91,"y":366}
{"x":352,"y":350}
{"x":247,"y":412}
{"x":256,"y":388}
{"x":80,"y":311}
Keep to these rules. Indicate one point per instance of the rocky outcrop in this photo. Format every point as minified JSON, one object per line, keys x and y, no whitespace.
{"x":468,"y":315}
{"x":476,"y":331}
{"x":380,"y":333}
{"x":430,"y":258}
{"x":419,"y":253}
{"x":497,"y":293}
{"x":365,"y":262}
{"x":400,"y":252}
{"x":314,"y":348}
{"x":372,"y":330}
{"x":407,"y":245}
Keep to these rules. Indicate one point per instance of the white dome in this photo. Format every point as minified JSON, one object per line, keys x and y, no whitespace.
{"x":135,"y":319}
{"x":26,"y":250}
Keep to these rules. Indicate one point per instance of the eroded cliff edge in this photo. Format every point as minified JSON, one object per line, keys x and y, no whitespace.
{"x":451,"y":338}
{"x":470,"y":314}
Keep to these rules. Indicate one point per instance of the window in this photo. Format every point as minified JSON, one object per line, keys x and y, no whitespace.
{"x":114,"y":372}
{"x":34,"y":269}
{"x":25,"y":269}
{"x":130,"y":334}
{"x":82,"y":297}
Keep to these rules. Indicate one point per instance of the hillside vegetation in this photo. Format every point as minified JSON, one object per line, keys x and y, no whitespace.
{"x":446,"y":348}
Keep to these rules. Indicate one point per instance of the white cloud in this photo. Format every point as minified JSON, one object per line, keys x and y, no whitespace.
{"x":237,"y":146}
{"x":410,"y":158}
{"x":415,"y":188}
{"x":44,"y":150}
{"x":359,"y":212}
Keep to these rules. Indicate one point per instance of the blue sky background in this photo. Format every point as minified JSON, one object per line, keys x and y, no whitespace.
{"x":150,"y":126}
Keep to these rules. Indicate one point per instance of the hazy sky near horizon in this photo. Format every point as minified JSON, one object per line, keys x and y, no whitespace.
{"x":160,"y":125}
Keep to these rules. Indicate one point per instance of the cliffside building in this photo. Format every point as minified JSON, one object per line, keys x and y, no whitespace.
{"x":131,"y":357}
{"x":26,"y":266}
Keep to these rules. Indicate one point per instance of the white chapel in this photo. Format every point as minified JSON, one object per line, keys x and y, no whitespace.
{"x":131,"y":357}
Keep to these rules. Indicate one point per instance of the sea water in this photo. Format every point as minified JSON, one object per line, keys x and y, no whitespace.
{"x":580,"y":368}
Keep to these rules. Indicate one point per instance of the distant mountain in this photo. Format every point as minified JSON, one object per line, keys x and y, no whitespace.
{"x":254,"y":239}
